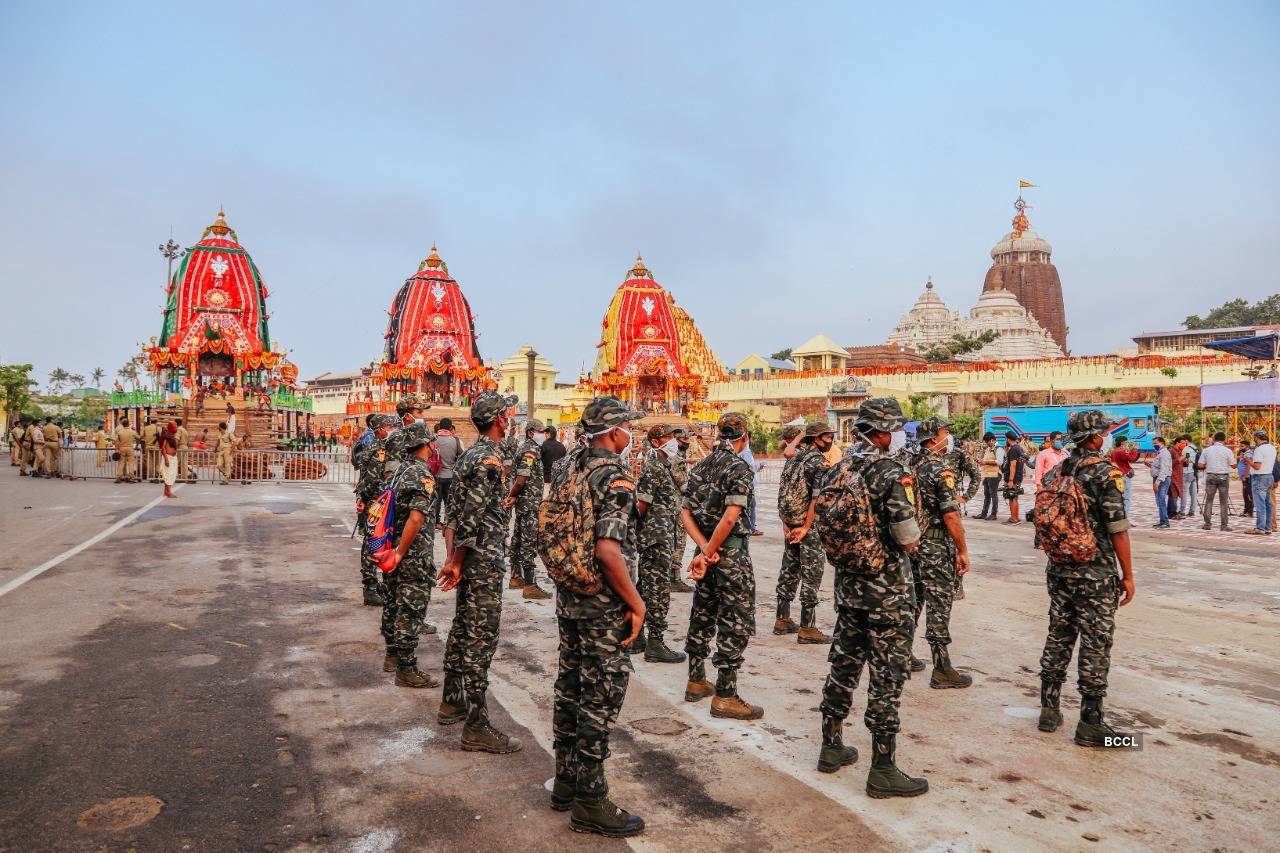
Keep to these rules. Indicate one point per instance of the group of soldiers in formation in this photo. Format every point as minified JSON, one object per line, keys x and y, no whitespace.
{"x":906,"y":499}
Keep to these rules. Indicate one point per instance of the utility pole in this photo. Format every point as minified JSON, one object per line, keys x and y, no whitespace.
{"x":531,"y":355}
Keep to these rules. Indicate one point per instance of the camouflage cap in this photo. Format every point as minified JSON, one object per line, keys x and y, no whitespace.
{"x":818,"y":428}
{"x":604,"y":413}
{"x":731,"y":426}
{"x":534,"y":425}
{"x":930,"y":427}
{"x":679,"y":431}
{"x":1087,"y":423}
{"x":380,"y":420}
{"x":789,"y":433}
{"x":658,"y":431}
{"x":882,"y":414}
{"x":415,"y":435}
{"x":409,"y":402}
{"x":488,"y":405}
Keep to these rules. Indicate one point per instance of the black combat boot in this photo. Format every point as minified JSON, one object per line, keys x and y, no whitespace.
{"x":601,"y":816}
{"x":944,"y":675}
{"x":562,"y":794}
{"x":372,"y":597}
{"x":885,"y":779}
{"x":784,"y":624}
{"x":917,"y":665}
{"x":656,"y":651}
{"x":1092,"y":730}
{"x":809,"y":633}
{"x":1050,"y":713}
{"x":638,"y":643}
{"x":834,"y":754}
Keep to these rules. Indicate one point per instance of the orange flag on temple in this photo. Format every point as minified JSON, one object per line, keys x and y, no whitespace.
{"x":1022,"y":185}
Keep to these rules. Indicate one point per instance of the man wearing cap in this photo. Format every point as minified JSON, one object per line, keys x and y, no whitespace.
{"x":360,"y":447}
{"x":411,"y":568}
{"x":875,"y":610}
{"x":658,"y":508}
{"x":525,"y":494}
{"x":802,"y":559}
{"x":596,"y":630}
{"x":475,"y":528}
{"x":409,"y":409}
{"x":1083,"y":596}
{"x":373,"y":469}
{"x":724,"y":599}
{"x":680,"y":473}
{"x":943,"y":553}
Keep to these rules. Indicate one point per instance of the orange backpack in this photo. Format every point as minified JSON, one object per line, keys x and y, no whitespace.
{"x":1062,"y":518}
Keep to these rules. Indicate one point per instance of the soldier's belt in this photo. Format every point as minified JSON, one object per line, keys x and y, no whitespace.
{"x":936,"y":533}
{"x":734,"y":542}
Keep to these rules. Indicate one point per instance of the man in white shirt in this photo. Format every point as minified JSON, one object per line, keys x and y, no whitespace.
{"x":1264,"y":460}
{"x":1217,"y":461}
{"x":1187,"y":503}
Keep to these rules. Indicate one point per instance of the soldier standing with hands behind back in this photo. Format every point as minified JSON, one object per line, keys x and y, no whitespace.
{"x":525,"y":495}
{"x":658,"y":506}
{"x":802,"y":559}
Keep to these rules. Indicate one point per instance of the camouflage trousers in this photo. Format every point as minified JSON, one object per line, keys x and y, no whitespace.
{"x":524,"y":543}
{"x":935,"y":576}
{"x":407,"y":595}
{"x":473,"y":637}
{"x":677,"y":553}
{"x":591,"y":682}
{"x":370,"y":575}
{"x":724,"y":607}
{"x":882,"y":640}
{"x":655,"y":585}
{"x":802,"y":564}
{"x":1084,"y":607}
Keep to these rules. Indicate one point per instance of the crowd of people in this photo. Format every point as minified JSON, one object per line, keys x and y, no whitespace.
{"x":887,"y":518}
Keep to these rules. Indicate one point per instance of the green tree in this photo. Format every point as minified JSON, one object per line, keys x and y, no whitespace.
{"x":1189,"y":423}
{"x":918,"y":408}
{"x":129,"y":373}
{"x":57,"y":378}
{"x":16,"y":382}
{"x":763,"y":437}
{"x":76,"y":380}
{"x":97,"y":375}
{"x":959,"y":345}
{"x":90,"y":411}
{"x":966,"y":426}
{"x":1169,"y":371}
{"x":782,"y":354}
{"x":1238,"y":312}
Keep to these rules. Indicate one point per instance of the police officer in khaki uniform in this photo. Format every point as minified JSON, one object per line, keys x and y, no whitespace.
{"x":150,"y":449}
{"x":183,"y":439}
{"x":35,"y":446}
{"x":223,"y":458}
{"x":52,"y":449}
{"x":125,"y":438}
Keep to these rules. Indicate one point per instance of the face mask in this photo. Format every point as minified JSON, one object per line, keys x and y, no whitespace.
{"x":951,"y":443}
{"x":539,"y":437}
{"x":1107,"y":444}
{"x":1057,"y":445}
{"x":626,"y":451}
{"x":671,"y":448}
{"x":898,"y":441}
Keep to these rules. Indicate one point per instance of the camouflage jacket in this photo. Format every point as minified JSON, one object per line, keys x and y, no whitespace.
{"x":1103,"y":485}
{"x":891,"y":489}
{"x":559,"y":468}
{"x":375,"y":465}
{"x":361,"y":449}
{"x":474,"y":512}
{"x":680,"y":472}
{"x":936,"y":488}
{"x":722,"y":479}
{"x":657,"y":488}
{"x":800,"y":477}
{"x":966,"y":470}
{"x":415,"y":488}
{"x":613,"y":496}
{"x":394,"y":444}
{"x":528,"y":464}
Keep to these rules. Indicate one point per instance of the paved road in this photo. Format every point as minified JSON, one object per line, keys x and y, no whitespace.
{"x":210,"y":659}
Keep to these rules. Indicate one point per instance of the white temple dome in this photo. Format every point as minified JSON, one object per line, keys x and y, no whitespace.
{"x":1029,"y":241}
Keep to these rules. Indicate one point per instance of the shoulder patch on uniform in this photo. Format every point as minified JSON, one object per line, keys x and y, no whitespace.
{"x":622,"y":483}
{"x":949,"y":478}
{"x":530,"y":456}
{"x":908,"y":485}
{"x":428,"y":485}
{"x":492,"y":461}
{"x":381,"y":455}
{"x":1117,"y":480}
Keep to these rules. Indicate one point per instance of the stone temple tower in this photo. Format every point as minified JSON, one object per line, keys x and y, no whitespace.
{"x":1021,"y":264}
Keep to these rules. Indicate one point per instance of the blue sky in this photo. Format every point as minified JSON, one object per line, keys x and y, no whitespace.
{"x":784,"y":171}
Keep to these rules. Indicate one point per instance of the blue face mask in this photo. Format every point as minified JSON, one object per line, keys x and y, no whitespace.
{"x":1057,"y":445}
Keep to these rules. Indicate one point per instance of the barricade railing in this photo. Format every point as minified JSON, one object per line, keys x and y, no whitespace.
{"x":331,"y":466}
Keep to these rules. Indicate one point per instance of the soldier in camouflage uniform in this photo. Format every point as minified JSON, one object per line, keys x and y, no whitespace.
{"x":802,"y":558}
{"x":412,"y":570}
{"x":680,"y":473}
{"x":525,"y":495}
{"x":724,"y":598}
{"x":1083,"y":597}
{"x":658,"y":506}
{"x":594,"y":667}
{"x":875,"y":612}
{"x":943,"y":553}
{"x":372,"y":468}
{"x":507,"y":449}
{"x":968,"y":482}
{"x":475,"y":527}
{"x":409,"y":409}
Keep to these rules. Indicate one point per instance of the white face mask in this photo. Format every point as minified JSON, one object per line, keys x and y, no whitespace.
{"x":626,"y":451}
{"x":898,"y":441}
{"x":671,"y":448}
{"x":951,"y":443}
{"x":539,"y":437}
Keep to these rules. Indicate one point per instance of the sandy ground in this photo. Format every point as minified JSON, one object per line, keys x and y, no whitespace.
{"x":211,"y":658}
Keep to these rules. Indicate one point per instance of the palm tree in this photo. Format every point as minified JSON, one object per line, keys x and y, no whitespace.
{"x":129,"y":373}
{"x":97,"y":375}
{"x":57,"y":378}
{"x":76,"y":380}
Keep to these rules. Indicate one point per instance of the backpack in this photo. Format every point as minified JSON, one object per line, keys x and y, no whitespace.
{"x":793,"y":493}
{"x":1062,"y":519}
{"x":846,"y":522}
{"x":566,"y":530}
{"x":435,"y":464}
{"x":380,"y":525}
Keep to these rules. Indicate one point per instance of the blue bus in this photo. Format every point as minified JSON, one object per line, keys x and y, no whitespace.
{"x":1138,"y":422}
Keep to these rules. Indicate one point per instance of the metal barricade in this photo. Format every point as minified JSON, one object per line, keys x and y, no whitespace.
{"x":331,"y":466}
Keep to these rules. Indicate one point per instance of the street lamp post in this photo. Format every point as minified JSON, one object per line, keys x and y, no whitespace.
{"x":170,"y":250}
{"x":529,"y":384}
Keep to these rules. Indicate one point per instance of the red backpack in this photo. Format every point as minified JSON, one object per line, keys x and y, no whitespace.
{"x":1062,"y":519}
